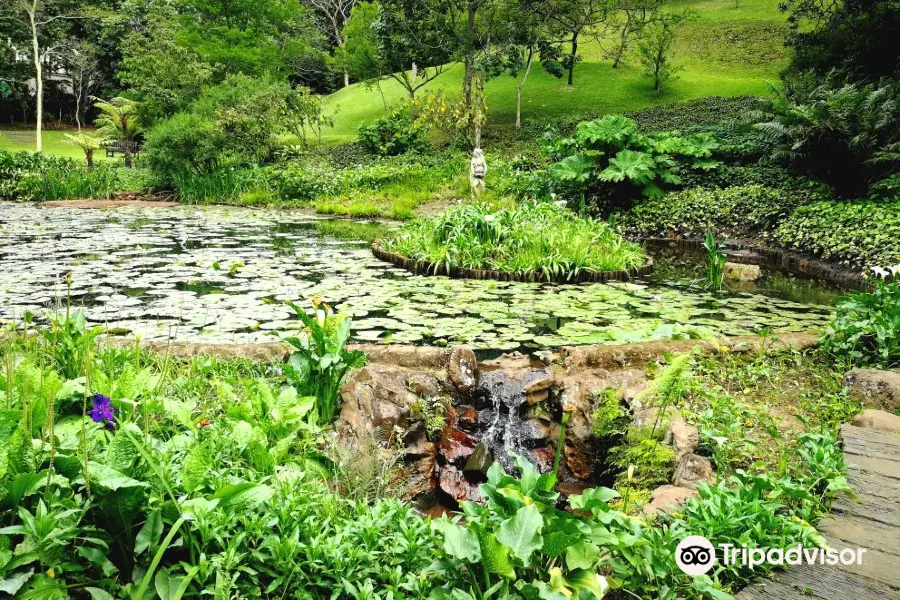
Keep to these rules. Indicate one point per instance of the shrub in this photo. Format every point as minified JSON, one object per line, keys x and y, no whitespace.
{"x":610,"y":163}
{"x":539,"y":240}
{"x":235,"y":124}
{"x":860,"y":234}
{"x":866,"y":326}
{"x":33,"y":176}
{"x":739,"y":211}
{"x":393,"y":135}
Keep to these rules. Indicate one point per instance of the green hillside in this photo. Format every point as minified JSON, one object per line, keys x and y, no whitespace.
{"x":725,"y":51}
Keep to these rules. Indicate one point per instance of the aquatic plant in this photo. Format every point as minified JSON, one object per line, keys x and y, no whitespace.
{"x":321,"y":361}
{"x":715,"y":262}
{"x":531,"y":239}
{"x":866,"y":326}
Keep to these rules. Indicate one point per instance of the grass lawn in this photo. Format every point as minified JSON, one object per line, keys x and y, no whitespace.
{"x":54,"y":143}
{"x":725,"y":51}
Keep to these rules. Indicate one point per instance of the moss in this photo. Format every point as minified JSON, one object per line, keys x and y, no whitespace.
{"x":653,"y":460}
{"x":607,"y":417}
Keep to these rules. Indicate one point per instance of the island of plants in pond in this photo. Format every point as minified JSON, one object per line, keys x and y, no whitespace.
{"x":530,"y":241}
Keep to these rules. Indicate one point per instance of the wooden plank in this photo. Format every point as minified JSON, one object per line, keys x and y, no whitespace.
{"x":879,"y":466}
{"x":851,"y":432}
{"x":872,"y":508}
{"x":864,"y":534}
{"x":877,"y":566}
{"x":771,"y":590}
{"x":873,"y":449}
{"x":872,"y":484}
{"x":830,"y":583}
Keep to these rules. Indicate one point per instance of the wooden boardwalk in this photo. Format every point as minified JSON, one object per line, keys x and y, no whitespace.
{"x":871,"y":521}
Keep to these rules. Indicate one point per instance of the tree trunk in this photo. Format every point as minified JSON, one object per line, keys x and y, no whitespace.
{"x":89,"y":157}
{"x":522,"y":85}
{"x":346,"y":79}
{"x":38,"y":80}
{"x":623,"y":39}
{"x":479,"y":107}
{"x":127,"y":154}
{"x":470,"y":56}
{"x":572,"y":58}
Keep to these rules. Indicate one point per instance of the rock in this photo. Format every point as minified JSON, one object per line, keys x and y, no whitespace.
{"x":578,"y":460}
{"x":539,"y":383}
{"x":424,"y":385}
{"x":453,"y":482}
{"x":535,"y":430}
{"x":693,"y":470}
{"x":877,"y":419}
{"x":741,"y":272}
{"x":480,"y":461}
{"x":668,"y":499}
{"x":463,"y":368}
{"x":685,"y":438}
{"x":456,"y":445}
{"x":467,"y":418}
{"x":874,"y":388}
{"x":536,"y":398}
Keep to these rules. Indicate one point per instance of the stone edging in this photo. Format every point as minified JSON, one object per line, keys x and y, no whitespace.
{"x":422,"y":267}
{"x":789,"y":260}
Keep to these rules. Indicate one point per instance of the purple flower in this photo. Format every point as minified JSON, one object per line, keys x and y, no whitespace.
{"x":103,"y":411}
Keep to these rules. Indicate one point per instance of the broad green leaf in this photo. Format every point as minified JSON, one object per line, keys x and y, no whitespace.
{"x":522,"y":533}
{"x":242,"y":496}
{"x":98,"y":594}
{"x":494,"y":555}
{"x":459,"y":542}
{"x":588,"y":580}
{"x":110,"y":479}
{"x":14,"y":582}
{"x":583,"y":555}
{"x":99,"y":559}
{"x":150,"y":533}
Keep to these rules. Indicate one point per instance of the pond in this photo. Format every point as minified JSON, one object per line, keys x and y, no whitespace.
{"x":222,"y":274}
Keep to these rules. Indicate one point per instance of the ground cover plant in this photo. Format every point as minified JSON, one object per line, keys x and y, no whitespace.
{"x":540,"y":240}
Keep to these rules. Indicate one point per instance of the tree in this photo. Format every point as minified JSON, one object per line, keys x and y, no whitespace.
{"x":82,"y":65}
{"x":415,"y":41}
{"x":119,"y":120}
{"x":335,"y":13}
{"x":530,"y":40}
{"x":569,"y":20}
{"x":654,"y":51}
{"x":304,"y":115}
{"x":88,"y":143}
{"x":359,"y":57}
{"x":163,"y":75}
{"x":631,"y":17}
{"x":857,"y":38}
{"x":39,"y":16}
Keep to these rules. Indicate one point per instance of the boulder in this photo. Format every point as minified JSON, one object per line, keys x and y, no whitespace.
{"x":685,"y":438}
{"x":424,"y":385}
{"x":741,"y":272}
{"x":463,"y":368}
{"x":453,"y":482}
{"x":480,"y":461}
{"x":874,"y":388}
{"x":877,"y":419}
{"x":693,"y":470}
{"x":668,"y":499}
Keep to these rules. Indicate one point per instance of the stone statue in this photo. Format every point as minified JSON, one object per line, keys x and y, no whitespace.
{"x":477,"y":170}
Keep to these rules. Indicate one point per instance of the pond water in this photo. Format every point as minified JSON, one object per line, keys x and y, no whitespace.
{"x":221,"y":274}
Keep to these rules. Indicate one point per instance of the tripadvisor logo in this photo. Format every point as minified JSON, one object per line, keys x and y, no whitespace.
{"x":696,"y":555}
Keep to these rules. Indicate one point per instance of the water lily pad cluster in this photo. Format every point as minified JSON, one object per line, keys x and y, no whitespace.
{"x":220,"y":274}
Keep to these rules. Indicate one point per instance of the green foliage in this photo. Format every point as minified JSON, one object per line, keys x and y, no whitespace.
{"x":538,"y":240}
{"x":607,"y":417}
{"x":508,"y":544}
{"x":741,"y":211}
{"x":320,"y":362}
{"x":655,"y":47}
{"x":233,"y":125}
{"x":39,"y":177}
{"x":715,"y":262}
{"x":861,"y":234}
{"x":609,"y":162}
{"x":866,"y":326}
{"x":392,"y":135}
{"x":649,"y":461}
{"x":845,"y":135}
